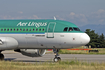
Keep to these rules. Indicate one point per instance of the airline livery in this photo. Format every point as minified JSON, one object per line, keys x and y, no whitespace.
{"x":32,"y":37}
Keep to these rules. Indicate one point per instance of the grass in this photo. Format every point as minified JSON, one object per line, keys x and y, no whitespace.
{"x":65,"y":51}
{"x":63,"y":65}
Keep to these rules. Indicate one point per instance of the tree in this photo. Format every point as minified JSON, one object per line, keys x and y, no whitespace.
{"x":102,"y":41}
{"x":94,"y":38}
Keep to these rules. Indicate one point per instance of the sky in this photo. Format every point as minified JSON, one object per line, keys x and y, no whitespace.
{"x":79,"y":12}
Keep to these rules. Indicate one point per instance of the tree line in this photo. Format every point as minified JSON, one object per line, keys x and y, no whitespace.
{"x":96,"y":40}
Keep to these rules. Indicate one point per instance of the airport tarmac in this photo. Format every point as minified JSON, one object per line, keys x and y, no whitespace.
{"x":14,"y":56}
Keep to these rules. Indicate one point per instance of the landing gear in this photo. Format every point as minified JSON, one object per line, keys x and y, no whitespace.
{"x":57,"y":58}
{"x":1,"y":56}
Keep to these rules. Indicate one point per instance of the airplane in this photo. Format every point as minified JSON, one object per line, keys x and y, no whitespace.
{"x":32,"y":37}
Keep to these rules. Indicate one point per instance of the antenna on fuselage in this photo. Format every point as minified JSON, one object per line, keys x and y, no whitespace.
{"x":54,"y":18}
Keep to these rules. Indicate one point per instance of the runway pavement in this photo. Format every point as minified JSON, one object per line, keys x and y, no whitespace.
{"x":14,"y":56}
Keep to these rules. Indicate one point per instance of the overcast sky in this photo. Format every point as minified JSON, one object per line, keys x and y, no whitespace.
{"x":80,"y":12}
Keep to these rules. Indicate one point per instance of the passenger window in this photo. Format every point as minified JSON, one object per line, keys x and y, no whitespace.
{"x":65,"y":29}
{"x":70,"y":29}
{"x":20,"y":29}
{"x":26,"y":29}
{"x":30,"y":30}
{"x":43,"y":30}
{"x":33,"y":29}
{"x":4,"y":29}
{"x":23,"y":29}
{"x":10,"y":29}
{"x":36,"y":29}
{"x":39,"y":29}
{"x":17,"y":29}
{"x":14,"y":29}
{"x":7,"y":29}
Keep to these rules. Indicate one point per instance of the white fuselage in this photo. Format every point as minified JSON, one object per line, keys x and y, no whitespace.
{"x":37,"y":41}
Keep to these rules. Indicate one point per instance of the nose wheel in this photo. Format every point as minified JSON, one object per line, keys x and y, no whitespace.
{"x":57,"y":58}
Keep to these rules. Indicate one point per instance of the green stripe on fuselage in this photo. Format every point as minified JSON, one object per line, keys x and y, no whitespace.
{"x":35,"y":24}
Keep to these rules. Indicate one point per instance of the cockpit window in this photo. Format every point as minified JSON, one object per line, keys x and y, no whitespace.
{"x":70,"y":29}
{"x":76,"y":29}
{"x":65,"y":29}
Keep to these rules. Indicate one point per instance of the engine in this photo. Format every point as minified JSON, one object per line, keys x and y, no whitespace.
{"x":32,"y":52}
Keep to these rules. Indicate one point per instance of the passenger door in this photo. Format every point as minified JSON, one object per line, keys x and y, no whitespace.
{"x":50,"y":30}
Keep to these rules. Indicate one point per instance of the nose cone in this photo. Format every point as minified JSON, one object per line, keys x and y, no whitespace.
{"x":85,"y":39}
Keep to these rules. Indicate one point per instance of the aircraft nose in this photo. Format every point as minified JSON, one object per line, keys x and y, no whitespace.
{"x":85,"y":39}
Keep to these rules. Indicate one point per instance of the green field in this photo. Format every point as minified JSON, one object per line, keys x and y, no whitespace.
{"x":65,"y":51}
{"x":63,"y":65}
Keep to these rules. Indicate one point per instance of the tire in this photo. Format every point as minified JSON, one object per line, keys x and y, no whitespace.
{"x":57,"y":59}
{"x":1,"y":57}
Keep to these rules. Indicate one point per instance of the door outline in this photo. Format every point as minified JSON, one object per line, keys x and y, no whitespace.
{"x":52,"y":32}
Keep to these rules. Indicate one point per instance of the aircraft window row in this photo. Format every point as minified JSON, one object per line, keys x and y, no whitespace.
{"x":71,"y":29}
{"x":22,"y":29}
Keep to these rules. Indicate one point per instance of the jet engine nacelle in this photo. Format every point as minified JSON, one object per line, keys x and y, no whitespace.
{"x":32,"y":52}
